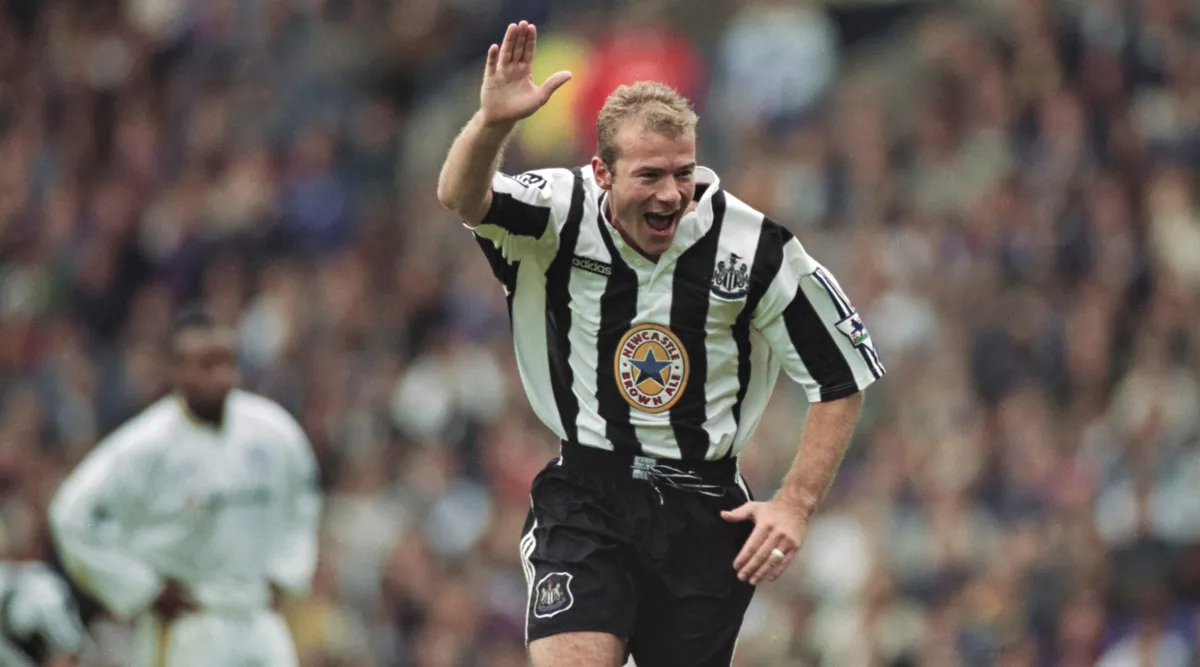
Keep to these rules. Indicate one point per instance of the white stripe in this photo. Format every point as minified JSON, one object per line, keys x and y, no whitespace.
{"x":741,"y":482}
{"x":533,"y":361}
{"x":654,"y":431}
{"x":764,"y":373}
{"x":587,"y":288}
{"x":835,"y":290}
{"x":654,"y":296}
{"x":526,"y":563}
{"x":868,"y":350}
{"x":528,"y":544}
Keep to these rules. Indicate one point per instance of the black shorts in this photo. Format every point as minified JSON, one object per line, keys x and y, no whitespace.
{"x":612,"y":544}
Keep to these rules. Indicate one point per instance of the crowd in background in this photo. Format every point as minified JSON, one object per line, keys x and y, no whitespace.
{"x":1008,"y":189}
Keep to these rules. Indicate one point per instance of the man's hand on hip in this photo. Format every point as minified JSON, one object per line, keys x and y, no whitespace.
{"x":778,"y":532}
{"x":174,"y":601}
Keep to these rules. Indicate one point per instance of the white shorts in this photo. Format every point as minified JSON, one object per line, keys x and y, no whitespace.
{"x":252,"y":638}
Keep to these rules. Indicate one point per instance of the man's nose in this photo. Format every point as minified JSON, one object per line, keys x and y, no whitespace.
{"x":669,"y":192}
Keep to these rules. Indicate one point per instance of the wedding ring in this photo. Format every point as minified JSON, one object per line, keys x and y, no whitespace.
{"x":777,"y":554}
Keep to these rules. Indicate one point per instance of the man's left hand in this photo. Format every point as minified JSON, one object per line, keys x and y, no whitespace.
{"x":777,"y":525}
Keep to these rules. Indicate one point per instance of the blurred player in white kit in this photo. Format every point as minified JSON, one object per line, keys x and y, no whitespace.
{"x":39,"y":621}
{"x":194,"y":516}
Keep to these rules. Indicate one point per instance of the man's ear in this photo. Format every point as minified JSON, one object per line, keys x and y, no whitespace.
{"x":604,"y":177}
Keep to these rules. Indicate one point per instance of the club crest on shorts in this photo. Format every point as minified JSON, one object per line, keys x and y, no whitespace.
{"x":552,"y":595}
{"x":651,"y":367}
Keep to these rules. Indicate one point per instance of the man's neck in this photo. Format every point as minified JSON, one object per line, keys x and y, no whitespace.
{"x":611,"y":218}
{"x":202,"y":417}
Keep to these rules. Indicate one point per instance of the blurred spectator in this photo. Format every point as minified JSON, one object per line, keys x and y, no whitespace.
{"x":776,"y":61}
{"x":641,"y":44}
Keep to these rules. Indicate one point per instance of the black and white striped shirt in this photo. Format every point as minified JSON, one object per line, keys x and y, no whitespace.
{"x":675,"y":358}
{"x":38,"y":616}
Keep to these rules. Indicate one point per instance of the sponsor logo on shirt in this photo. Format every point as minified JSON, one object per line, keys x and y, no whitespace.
{"x":651,"y":367}
{"x":591,"y":266}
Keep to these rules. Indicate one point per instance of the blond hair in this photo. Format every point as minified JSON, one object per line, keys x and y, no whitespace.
{"x":657,"y":106}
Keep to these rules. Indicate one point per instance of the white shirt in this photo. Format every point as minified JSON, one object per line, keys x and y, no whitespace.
{"x":225,"y":511}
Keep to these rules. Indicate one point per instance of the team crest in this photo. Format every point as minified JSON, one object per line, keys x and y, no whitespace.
{"x":731,"y":280}
{"x":854,"y":329}
{"x":552,"y":595}
{"x":651,"y":368}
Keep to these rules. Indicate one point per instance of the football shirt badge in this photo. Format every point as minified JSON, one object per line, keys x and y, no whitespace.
{"x":651,"y":368}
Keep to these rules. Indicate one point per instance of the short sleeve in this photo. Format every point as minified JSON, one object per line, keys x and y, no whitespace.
{"x":814,"y":330}
{"x":526,"y":213}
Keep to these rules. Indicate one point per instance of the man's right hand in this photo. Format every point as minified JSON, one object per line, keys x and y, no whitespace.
{"x":509,"y":93}
{"x":173,"y":601}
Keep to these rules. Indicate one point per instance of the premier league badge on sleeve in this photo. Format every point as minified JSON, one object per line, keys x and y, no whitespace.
{"x":854,"y":329}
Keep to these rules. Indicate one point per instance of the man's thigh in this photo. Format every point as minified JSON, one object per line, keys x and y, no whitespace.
{"x":692,"y":607}
{"x":272,"y":643}
{"x":260,"y":639}
{"x":577,"y":565}
{"x":579,"y":649}
{"x":699,"y":631}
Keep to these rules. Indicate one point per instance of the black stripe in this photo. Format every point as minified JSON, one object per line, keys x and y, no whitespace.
{"x":689,"y":319}
{"x":817,"y":348}
{"x":618,"y":307}
{"x":495,"y":258}
{"x":768,"y":258}
{"x":843,"y":306}
{"x":558,"y":316}
{"x":516,"y":217}
{"x":510,"y":283}
{"x":502,"y":269}
{"x":872,"y":356}
{"x":836,"y":290}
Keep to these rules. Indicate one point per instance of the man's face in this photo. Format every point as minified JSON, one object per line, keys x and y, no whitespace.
{"x":650,"y":186}
{"x":205,"y":369}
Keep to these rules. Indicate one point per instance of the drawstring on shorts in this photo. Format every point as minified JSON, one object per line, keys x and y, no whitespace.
{"x":655,"y":472}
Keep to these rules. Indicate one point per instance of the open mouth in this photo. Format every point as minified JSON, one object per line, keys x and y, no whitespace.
{"x":660,"y":223}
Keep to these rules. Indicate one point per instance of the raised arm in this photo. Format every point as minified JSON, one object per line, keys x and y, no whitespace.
{"x":508,"y":94}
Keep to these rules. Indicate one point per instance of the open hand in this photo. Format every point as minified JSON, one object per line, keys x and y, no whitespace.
{"x":509,"y":93}
{"x":777,"y":525}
